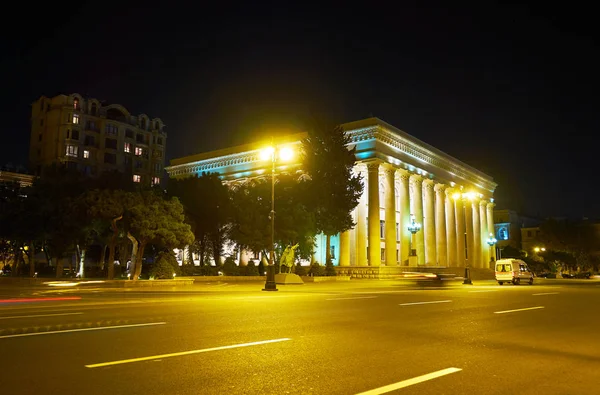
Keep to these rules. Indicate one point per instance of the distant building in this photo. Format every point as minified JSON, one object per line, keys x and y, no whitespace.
{"x":515,"y":230}
{"x":84,"y":134}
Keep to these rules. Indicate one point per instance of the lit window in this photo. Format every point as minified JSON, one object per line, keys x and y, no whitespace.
{"x":76,"y":119}
{"x":137,"y":178}
{"x":139,"y":151}
{"x":381,"y":229}
{"x":76,"y":104}
{"x":86,"y":154}
{"x":127,"y":147}
{"x":72,"y":150}
{"x":155,"y":180}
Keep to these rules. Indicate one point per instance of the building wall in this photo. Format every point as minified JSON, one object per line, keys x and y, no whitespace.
{"x":403,"y":177}
{"x":84,"y":134}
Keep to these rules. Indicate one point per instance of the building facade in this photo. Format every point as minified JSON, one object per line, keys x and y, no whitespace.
{"x":84,"y":134}
{"x":405,"y":180}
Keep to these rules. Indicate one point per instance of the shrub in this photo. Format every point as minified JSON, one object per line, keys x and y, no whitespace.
{"x":329,"y":270}
{"x":299,"y":269}
{"x":188,"y":270}
{"x":230,"y":268}
{"x":251,"y":269}
{"x":164,"y":266}
{"x":316,"y":269}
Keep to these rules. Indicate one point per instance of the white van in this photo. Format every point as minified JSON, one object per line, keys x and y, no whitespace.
{"x":513,"y":270}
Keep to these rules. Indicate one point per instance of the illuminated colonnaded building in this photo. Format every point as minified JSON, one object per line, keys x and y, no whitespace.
{"x":405,"y":180}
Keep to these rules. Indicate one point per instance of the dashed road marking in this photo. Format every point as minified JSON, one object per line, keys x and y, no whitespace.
{"x":409,"y":382}
{"x":37,"y":315}
{"x":524,"y":309}
{"x":178,"y":354}
{"x":82,"y":330}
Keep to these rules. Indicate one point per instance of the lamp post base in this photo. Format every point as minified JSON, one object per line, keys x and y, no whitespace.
{"x":270,"y":284}
{"x":467,"y":276}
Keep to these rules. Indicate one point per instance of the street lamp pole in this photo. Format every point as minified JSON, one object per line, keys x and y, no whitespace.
{"x":413,"y":228}
{"x":491,"y":242}
{"x":270,"y":284}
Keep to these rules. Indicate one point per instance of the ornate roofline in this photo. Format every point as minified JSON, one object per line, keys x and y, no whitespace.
{"x":420,"y":150}
{"x":236,"y":160}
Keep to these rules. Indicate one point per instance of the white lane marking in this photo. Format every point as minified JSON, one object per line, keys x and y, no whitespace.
{"x":354,"y":297}
{"x":36,"y":315}
{"x":409,"y":382}
{"x":435,"y":301}
{"x":82,"y":330}
{"x":177,"y":354}
{"x":512,"y":311}
{"x":486,"y":290}
{"x":546,"y":293}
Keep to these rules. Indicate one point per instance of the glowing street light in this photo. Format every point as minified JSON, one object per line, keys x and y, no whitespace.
{"x":413,"y":228}
{"x":274,"y":154}
{"x":491,"y":242}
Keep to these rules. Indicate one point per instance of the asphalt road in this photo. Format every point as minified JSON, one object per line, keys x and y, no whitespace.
{"x":361,"y":337}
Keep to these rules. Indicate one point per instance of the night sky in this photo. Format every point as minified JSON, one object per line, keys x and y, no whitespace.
{"x":510,"y":90}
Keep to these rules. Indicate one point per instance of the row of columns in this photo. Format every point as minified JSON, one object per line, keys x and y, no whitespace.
{"x":455,"y":225}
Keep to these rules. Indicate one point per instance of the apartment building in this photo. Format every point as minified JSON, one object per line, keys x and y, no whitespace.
{"x":93,"y":137}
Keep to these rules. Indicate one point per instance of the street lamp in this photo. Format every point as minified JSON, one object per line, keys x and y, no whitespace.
{"x":413,"y":228}
{"x":465,"y":197}
{"x":491,"y":242}
{"x":538,"y":249}
{"x":272,"y":153}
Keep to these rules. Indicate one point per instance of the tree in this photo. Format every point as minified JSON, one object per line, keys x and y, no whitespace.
{"x":294,"y":221}
{"x":207,"y":209}
{"x":53,"y":217}
{"x":153,"y":218}
{"x":107,"y":207}
{"x":335,"y":190}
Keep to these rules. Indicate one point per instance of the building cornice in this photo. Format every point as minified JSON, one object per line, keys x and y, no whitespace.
{"x":238,"y":161}
{"x":411,"y":146}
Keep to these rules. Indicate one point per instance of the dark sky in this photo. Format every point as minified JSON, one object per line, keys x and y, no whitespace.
{"x":511,"y":90}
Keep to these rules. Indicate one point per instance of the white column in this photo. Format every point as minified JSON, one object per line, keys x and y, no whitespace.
{"x":390,"y":217}
{"x":450,"y":227}
{"x":476,"y":262}
{"x":361,"y":227}
{"x":485,"y":247}
{"x":416,"y":206}
{"x":373,"y":228}
{"x":469,"y":250}
{"x":404,"y":200}
{"x":491,"y":227}
{"x":429,"y":222}
{"x":243,"y":257}
{"x":440,"y":225}
{"x":345,"y":248}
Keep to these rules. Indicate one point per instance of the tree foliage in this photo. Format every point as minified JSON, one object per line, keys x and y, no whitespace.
{"x":334,"y":189}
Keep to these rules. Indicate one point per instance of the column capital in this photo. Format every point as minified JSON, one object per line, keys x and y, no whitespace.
{"x":373,"y":167}
{"x":439,"y":188}
{"x":416,"y":179}
{"x":428,"y":184}
{"x":483,"y":202}
{"x":403,"y":175}
{"x":491,"y":205}
{"x":389,"y":171}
